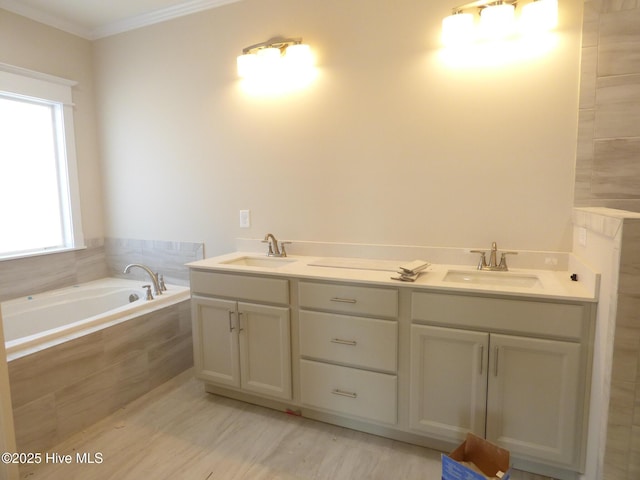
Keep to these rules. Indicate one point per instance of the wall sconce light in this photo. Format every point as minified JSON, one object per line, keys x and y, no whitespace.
{"x":497,"y":20}
{"x":277,"y":56}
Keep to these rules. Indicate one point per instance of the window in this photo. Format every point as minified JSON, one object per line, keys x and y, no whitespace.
{"x":39,"y":204}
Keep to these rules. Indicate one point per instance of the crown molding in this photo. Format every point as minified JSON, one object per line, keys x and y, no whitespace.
{"x":127,"y":24}
{"x":158,"y":16}
{"x":40,"y":16}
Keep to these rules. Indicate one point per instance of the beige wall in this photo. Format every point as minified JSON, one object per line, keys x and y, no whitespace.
{"x":389,"y":145}
{"x":28,"y":44}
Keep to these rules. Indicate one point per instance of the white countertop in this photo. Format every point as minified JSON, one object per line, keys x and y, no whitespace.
{"x":551,"y":285}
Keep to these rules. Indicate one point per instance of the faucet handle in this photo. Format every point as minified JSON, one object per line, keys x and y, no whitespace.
{"x":483,"y":258}
{"x":270,"y":252}
{"x":283,"y":252}
{"x":149,"y":296}
{"x":503,"y":260}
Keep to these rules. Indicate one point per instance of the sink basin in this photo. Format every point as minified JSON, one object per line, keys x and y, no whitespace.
{"x":261,"y":262}
{"x":502,"y":279}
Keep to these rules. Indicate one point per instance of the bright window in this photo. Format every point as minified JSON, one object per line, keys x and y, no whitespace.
{"x":39,"y":205}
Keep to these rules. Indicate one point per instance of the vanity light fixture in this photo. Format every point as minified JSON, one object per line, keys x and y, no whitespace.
{"x":497,"y":20}
{"x":275,"y":56}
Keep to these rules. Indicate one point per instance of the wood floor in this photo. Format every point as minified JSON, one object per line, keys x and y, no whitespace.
{"x":178,"y":431}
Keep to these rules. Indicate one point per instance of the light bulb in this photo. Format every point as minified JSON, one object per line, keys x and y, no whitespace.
{"x":540,"y":15}
{"x":497,"y":21}
{"x":457,"y":29}
{"x":299,"y":56}
{"x":247,"y":65}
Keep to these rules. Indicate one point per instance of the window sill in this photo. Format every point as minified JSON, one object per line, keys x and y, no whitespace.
{"x":38,"y":253}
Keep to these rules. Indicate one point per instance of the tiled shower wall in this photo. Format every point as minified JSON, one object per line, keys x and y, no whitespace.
{"x":608,"y":174}
{"x":608,"y":157}
{"x":622,"y":449}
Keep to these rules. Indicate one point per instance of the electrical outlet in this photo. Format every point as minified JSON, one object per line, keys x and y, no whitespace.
{"x":582,"y":236}
{"x":245,"y":218}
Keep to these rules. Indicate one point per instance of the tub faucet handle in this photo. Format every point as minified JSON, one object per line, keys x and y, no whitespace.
{"x":149,"y":296}
{"x":161,"y":284}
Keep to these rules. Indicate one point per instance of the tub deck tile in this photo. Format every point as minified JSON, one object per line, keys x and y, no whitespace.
{"x":46,"y":371}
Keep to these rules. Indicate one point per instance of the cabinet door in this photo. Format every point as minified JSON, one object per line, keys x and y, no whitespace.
{"x":265,"y":349}
{"x":448,"y":381}
{"x":215,"y":340}
{"x":533,"y":397}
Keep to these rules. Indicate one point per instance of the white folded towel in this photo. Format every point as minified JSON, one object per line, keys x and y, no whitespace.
{"x":414,"y":267}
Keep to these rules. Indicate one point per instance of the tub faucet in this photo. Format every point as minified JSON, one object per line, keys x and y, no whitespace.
{"x":154,"y":277}
{"x":493,"y":264}
{"x":274,"y":250}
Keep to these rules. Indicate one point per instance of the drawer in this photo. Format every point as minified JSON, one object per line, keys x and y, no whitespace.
{"x":258,"y":289}
{"x":521,"y":316}
{"x":349,"y":391}
{"x":358,"y":341}
{"x":378,"y":302}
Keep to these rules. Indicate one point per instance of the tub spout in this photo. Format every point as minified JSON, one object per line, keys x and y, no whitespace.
{"x":154,"y":278}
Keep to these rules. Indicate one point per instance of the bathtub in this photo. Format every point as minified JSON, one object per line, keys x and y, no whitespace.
{"x":78,"y":354}
{"x":59,"y":315}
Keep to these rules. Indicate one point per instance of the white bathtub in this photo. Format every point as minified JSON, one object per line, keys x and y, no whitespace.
{"x":59,"y":315}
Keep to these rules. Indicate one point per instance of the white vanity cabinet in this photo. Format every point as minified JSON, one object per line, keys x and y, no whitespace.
{"x":238,"y":342}
{"x":448,"y":381}
{"x":415,"y":362}
{"x":514,"y":371}
{"x":349,"y":348}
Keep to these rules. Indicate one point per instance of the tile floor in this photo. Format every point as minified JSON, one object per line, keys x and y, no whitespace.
{"x":178,"y":431}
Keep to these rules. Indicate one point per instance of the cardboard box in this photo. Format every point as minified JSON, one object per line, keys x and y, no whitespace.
{"x":476,"y":459}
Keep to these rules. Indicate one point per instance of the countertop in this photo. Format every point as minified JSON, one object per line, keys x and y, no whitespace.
{"x":551,"y":284}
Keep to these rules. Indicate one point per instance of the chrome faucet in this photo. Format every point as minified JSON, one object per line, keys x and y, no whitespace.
{"x":157,"y":290}
{"x":493,"y":264}
{"x":274,"y":250}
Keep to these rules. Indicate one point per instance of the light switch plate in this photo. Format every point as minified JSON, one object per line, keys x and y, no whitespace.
{"x":245,"y":218}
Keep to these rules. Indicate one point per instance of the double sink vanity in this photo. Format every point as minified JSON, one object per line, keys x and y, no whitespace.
{"x":505,"y":355}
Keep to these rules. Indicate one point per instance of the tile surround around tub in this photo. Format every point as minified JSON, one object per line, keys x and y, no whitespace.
{"x":64,"y":389}
{"x":102,"y":258}
{"x":40,"y":273}
{"x":165,"y":257}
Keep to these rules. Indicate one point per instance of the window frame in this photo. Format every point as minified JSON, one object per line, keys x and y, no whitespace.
{"x":22,"y":84}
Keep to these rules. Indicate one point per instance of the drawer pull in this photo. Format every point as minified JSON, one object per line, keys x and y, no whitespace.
{"x":351,"y":343}
{"x":343,"y":300}
{"x":344,"y":394}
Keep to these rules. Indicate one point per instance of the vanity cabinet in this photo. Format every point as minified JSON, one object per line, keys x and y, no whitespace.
{"x":240,"y":343}
{"x":448,"y":393}
{"x":512,"y":380}
{"x":410,"y":362}
{"x":349,"y":358}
